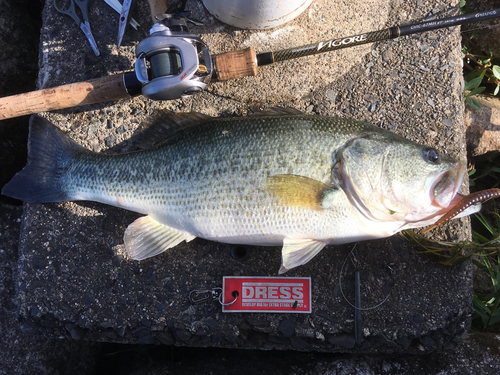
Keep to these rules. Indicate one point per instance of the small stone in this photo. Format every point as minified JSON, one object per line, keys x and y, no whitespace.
{"x":444,"y":67}
{"x":34,"y":311}
{"x":287,"y":327}
{"x":424,"y":47}
{"x":183,"y":335}
{"x":107,"y":324}
{"x":110,"y":140}
{"x":120,"y":331}
{"x":299,"y":344}
{"x":343,"y":340}
{"x":39,"y":262}
{"x":165,"y":338}
{"x":417,"y":318}
{"x":141,"y":331}
{"x":405,"y":255}
{"x":309,"y":108}
{"x":375,"y":53}
{"x":122,"y":129}
{"x":211,"y":324}
{"x":372,"y":107}
{"x":337,"y":291}
{"x":433,"y":61}
{"x":430,"y":102}
{"x":428,"y":342}
{"x":331,"y":95}
{"x":423,"y":68}
{"x":47,"y":323}
{"x":110,"y":334}
{"x":87,"y":299}
{"x":406,"y":91}
{"x":75,"y":332}
{"x":218,"y":338}
{"x":387,"y":55}
{"x":146,"y":340}
{"x":253,"y":321}
{"x":323,"y":313}
{"x":404,"y":342}
{"x":202,"y":331}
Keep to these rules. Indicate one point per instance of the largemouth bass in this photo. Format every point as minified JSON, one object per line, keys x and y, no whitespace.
{"x":281,"y":178}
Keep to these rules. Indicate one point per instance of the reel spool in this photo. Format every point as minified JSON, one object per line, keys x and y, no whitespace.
{"x":171,"y":62}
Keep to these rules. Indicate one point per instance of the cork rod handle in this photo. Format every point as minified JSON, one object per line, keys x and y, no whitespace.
{"x":97,"y":90}
{"x":237,"y":64}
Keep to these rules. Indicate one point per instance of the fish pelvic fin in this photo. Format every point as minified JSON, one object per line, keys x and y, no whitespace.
{"x":297,"y":252}
{"x":146,"y":237}
{"x":50,"y":152}
{"x":299,"y":191}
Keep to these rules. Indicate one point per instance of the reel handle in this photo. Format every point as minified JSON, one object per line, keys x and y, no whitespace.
{"x":98,"y":90}
{"x":237,"y":64}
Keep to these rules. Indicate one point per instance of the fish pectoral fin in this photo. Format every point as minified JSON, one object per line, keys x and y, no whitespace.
{"x":293,"y":190}
{"x":146,"y":237}
{"x":298,"y":251}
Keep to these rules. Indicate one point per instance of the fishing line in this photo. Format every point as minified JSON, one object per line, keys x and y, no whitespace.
{"x":342,"y":291}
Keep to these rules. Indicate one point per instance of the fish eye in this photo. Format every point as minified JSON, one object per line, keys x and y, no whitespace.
{"x":430,"y":154}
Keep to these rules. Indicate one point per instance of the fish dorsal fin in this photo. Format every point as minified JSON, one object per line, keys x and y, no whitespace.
{"x":297,"y":252}
{"x":277,"y":111}
{"x":300,"y":191}
{"x":165,"y":124}
{"x":187,"y":119}
{"x":146,"y":237}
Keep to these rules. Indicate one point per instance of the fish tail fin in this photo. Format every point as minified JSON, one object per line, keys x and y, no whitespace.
{"x":50,"y":151}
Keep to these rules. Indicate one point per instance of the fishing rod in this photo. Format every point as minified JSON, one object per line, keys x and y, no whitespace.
{"x":172,"y":63}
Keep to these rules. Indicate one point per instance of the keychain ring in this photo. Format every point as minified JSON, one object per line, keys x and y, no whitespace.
{"x":229,"y":303}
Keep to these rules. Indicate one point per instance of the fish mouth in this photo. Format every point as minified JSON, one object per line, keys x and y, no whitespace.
{"x":445,"y":189}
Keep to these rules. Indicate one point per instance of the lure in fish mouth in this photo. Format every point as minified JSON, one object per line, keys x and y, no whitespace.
{"x":280,"y":178}
{"x":402,"y":183}
{"x":462,"y":205}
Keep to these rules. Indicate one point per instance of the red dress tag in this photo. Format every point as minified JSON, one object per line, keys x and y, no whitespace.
{"x":266,"y":294}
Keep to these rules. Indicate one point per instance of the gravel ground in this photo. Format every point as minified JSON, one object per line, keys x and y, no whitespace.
{"x":57,"y":288}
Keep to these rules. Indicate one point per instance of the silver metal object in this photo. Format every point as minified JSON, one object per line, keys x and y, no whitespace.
{"x":256,"y":14}
{"x":199,"y":296}
{"x":84,"y":25}
{"x":171,"y":62}
{"x":124,"y":20}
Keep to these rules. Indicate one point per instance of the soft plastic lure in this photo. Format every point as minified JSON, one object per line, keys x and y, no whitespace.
{"x":465,"y":203}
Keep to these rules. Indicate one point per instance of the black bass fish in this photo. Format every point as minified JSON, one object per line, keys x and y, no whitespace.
{"x":278,"y":178}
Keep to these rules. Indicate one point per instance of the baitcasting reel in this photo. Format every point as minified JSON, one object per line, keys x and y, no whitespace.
{"x":171,"y":62}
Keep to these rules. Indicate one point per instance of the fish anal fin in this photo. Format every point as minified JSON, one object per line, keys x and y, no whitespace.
{"x":297,"y":252}
{"x":146,"y":237}
{"x":299,"y":191}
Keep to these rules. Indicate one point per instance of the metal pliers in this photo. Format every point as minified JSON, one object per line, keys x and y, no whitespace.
{"x":85,"y":25}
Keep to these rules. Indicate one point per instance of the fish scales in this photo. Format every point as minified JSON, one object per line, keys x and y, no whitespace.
{"x":214,"y":172}
{"x":299,"y":180}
